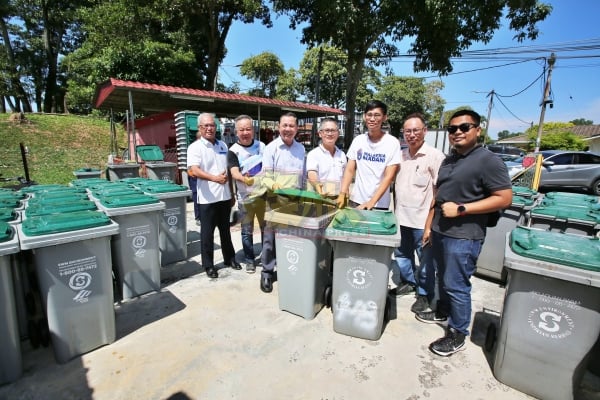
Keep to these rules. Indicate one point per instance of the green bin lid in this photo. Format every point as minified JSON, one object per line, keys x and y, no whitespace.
{"x":52,"y":201}
{"x":55,"y":223}
{"x":59,"y":196}
{"x":561,"y":248}
{"x":59,"y":208}
{"x":523,"y":191}
{"x":149,"y":153}
{"x":41,"y":188}
{"x":116,"y":191}
{"x":569,"y":203}
{"x":87,"y":182}
{"x":163,"y":188}
{"x":6,"y":232}
{"x":566,"y":213}
{"x":8,"y":214}
{"x":127,"y":201}
{"x":8,"y":203}
{"x":568,"y":196}
{"x":12,"y":195}
{"x":133,"y":181}
{"x":365,"y":221}
{"x":522,"y":201}
{"x":303,"y":195}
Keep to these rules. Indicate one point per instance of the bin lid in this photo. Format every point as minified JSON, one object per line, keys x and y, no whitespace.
{"x":568,"y":196}
{"x":579,"y":203}
{"x":133,"y":181}
{"x":9,"y":242}
{"x":11,"y":195}
{"x":162,"y":188}
{"x":10,"y":203}
{"x":87,"y":170}
{"x":64,"y":222}
{"x":365,"y":221}
{"x":87,"y":182}
{"x":6,"y":232}
{"x":39,"y":201}
{"x":60,"y":195}
{"x":130,"y":200}
{"x":41,"y":188}
{"x":524,"y":191}
{"x":116,"y":191}
{"x":8,"y":214}
{"x":576,"y":251}
{"x":303,"y":195}
{"x":566,"y":213}
{"x":519,"y":201}
{"x":150,"y":152}
{"x":59,"y":208}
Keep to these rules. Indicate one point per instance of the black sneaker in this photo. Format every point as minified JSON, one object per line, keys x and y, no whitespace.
{"x":250,"y":266}
{"x":431,"y":317}
{"x":403,"y":290}
{"x":453,"y":342}
{"x":421,"y":305}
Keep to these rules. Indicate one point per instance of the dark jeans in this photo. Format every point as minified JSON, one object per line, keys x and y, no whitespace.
{"x":248,"y":211}
{"x":455,"y":261}
{"x":215,"y":215}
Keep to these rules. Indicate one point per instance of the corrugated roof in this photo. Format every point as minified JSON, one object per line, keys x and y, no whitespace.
{"x":149,"y":98}
{"x":586,"y":132}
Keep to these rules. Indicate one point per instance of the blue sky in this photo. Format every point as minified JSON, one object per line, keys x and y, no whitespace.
{"x":575,"y":82}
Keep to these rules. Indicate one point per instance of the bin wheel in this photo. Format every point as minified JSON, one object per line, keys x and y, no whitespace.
{"x":490,"y":337}
{"x":327,"y":296}
{"x":34,"y":334}
{"x":44,"y":332}
{"x":386,"y":311}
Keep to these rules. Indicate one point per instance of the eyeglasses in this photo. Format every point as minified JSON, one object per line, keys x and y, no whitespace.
{"x":411,"y":131}
{"x":206,"y":126}
{"x":373,"y":115}
{"x":245,"y":130}
{"x":330,"y":131}
{"x":464,"y":128}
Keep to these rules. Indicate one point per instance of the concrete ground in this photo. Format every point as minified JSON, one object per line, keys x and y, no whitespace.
{"x":224,"y":339}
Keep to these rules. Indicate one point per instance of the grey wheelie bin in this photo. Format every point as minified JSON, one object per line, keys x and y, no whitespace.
{"x":136,"y":257}
{"x":172,"y":233}
{"x":303,"y":254}
{"x":86,"y":173}
{"x":71,"y":255}
{"x":11,"y":364}
{"x":114,"y":172}
{"x":363,"y":242}
{"x":551,"y":314}
{"x":491,"y":259}
{"x":154,"y":163}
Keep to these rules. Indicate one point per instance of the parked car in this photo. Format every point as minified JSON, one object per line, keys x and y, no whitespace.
{"x":570,"y":169}
{"x":507,"y":153}
{"x":514,"y":165}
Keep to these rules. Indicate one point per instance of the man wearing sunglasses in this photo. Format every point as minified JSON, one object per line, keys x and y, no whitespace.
{"x":472,"y":183}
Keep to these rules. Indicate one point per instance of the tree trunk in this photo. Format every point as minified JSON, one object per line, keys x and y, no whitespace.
{"x":52,"y":60}
{"x":17,"y":89}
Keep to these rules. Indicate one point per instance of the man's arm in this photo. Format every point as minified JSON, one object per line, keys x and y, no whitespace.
{"x":349,"y":172}
{"x":388,"y":177}
{"x":497,"y":200}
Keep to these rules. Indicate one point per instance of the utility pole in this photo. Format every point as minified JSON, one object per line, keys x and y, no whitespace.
{"x":317,"y":94}
{"x":545,"y":100}
{"x":489,"y":114}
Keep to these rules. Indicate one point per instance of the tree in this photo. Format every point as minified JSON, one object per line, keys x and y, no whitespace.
{"x":582,"y":121}
{"x":265,"y":69}
{"x":289,"y":85}
{"x":556,"y":135}
{"x":441,"y":29}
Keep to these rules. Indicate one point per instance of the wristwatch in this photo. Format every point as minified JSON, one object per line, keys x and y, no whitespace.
{"x":461,"y":210}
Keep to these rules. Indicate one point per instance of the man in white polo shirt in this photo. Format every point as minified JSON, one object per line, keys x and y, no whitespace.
{"x":325,"y":163}
{"x":207,"y":161}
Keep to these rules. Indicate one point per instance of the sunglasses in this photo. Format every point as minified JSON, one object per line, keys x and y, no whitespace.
{"x":464,"y":128}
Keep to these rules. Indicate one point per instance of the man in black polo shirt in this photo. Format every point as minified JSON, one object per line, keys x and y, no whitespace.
{"x":472,"y":184}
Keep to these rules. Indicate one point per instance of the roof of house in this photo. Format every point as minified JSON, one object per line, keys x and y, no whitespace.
{"x":586,"y":132}
{"x":149,"y":98}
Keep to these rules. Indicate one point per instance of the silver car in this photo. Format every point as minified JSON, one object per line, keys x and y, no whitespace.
{"x":570,"y":169}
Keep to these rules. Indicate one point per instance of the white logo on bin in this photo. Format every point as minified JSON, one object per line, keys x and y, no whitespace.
{"x":292,"y":256}
{"x":80,"y":280}
{"x":359,"y":277}
{"x":172,"y":220}
{"x":139,"y":242}
{"x":82,"y":296}
{"x":551,"y":322}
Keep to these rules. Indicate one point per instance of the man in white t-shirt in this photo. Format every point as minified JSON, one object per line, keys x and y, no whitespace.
{"x":244,"y":162}
{"x":374,"y":158}
{"x":325,"y":163}
{"x":207,"y":161}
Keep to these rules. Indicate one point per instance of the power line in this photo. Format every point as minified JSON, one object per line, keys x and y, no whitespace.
{"x":507,"y":109}
{"x":528,"y":86}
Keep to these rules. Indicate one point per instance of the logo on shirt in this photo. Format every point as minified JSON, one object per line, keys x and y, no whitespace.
{"x":373,"y":157}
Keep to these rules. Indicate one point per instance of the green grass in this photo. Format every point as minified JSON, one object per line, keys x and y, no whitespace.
{"x":57,"y":145}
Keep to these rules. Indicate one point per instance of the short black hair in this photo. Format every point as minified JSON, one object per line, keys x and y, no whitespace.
{"x":416,"y":115}
{"x":373,"y":104}
{"x":476,"y":117}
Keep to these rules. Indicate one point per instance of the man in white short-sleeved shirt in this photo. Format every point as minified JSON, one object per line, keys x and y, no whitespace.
{"x":207,"y":161}
{"x":325,"y":163}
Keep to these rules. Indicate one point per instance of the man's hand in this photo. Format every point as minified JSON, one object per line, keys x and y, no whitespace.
{"x":275,"y":187}
{"x":222,"y":178}
{"x":342,"y":200}
{"x":248,"y":181}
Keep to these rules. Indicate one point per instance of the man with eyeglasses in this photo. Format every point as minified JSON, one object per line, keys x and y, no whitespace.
{"x":244,"y":161}
{"x":283,"y":168}
{"x":472,"y":183}
{"x":374,"y":158}
{"x":207,"y":162}
{"x":414,"y":187}
{"x":325,"y":163}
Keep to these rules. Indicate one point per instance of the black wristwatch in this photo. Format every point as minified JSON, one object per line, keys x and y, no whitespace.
{"x":461,"y":210}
